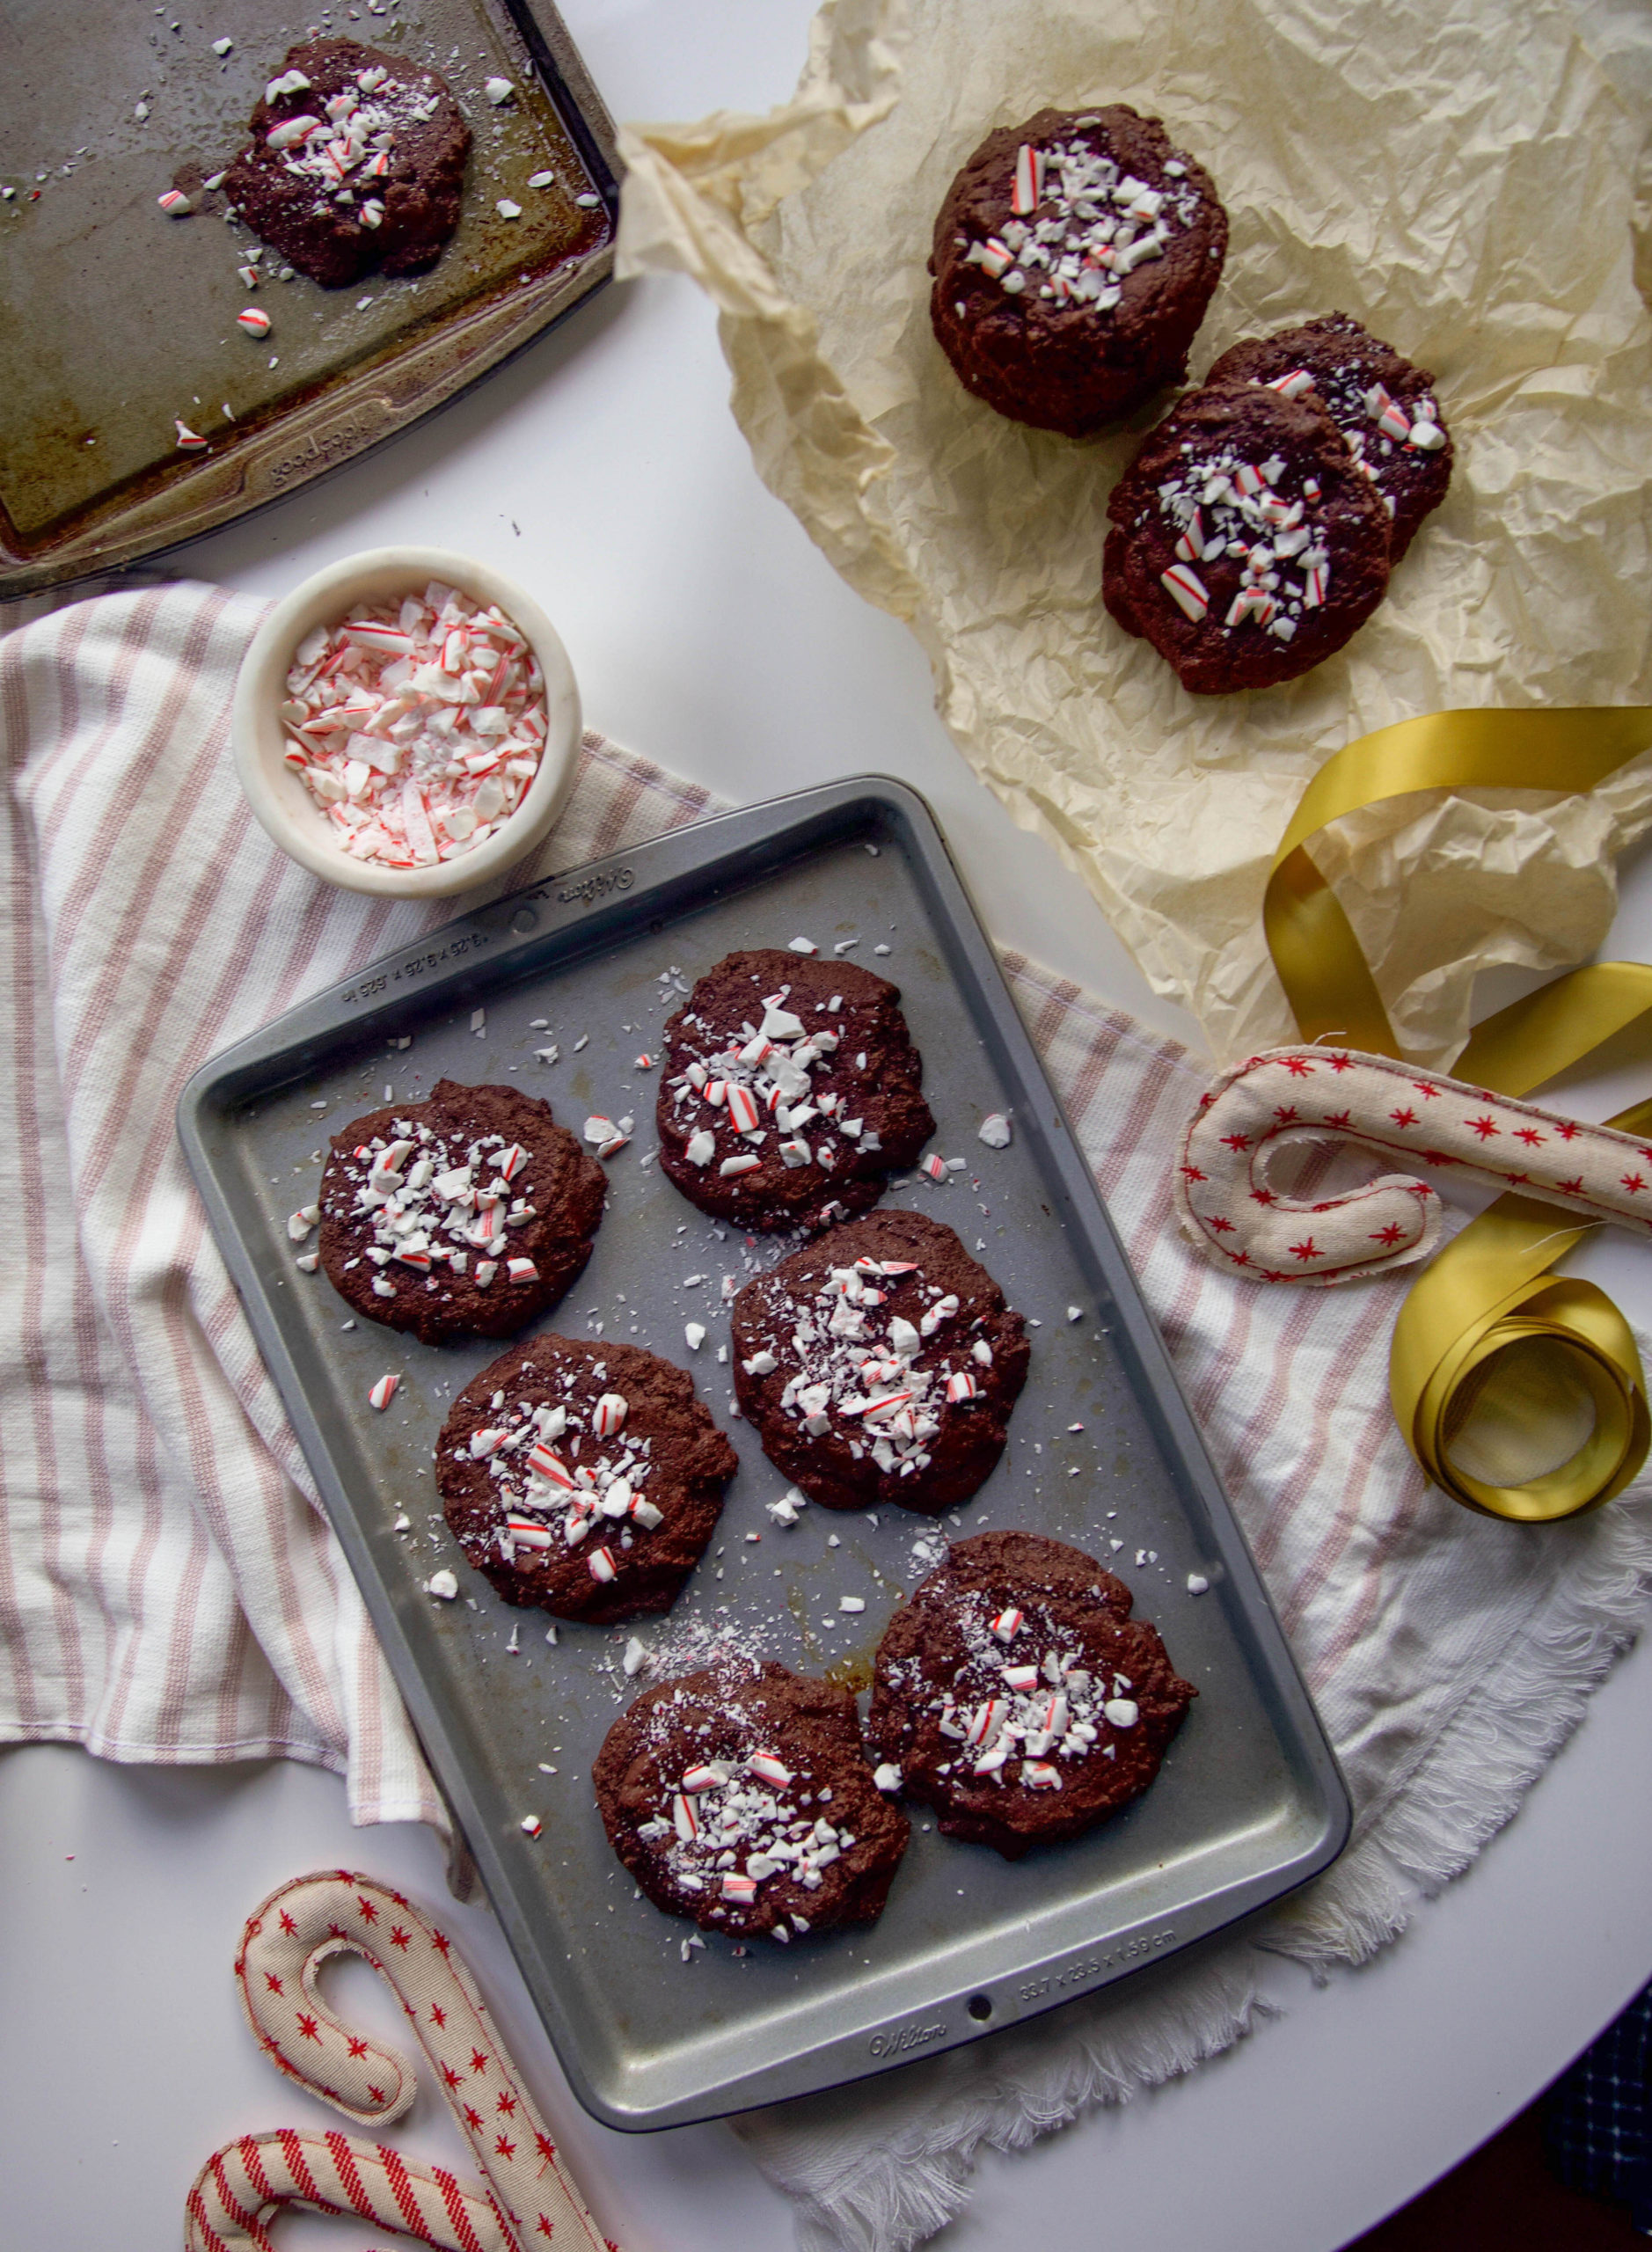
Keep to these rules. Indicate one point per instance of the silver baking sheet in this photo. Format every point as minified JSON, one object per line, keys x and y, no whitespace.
{"x":115,"y":320}
{"x":1249,"y":1803}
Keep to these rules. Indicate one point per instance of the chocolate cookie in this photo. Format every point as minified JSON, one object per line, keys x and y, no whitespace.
{"x":586,"y":1478}
{"x":741,"y":1797}
{"x":1384,"y":407}
{"x":465,"y":1215}
{"x":1248,"y":545}
{"x":1074,"y":258}
{"x":790,"y":1092}
{"x":879,"y":1364}
{"x":1018,"y":1698}
{"x":357,"y":160}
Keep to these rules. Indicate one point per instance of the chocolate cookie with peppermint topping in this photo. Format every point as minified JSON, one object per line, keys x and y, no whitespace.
{"x":1015,"y":1694}
{"x":742,"y":1797}
{"x":586,"y":1478}
{"x":879,"y":1364}
{"x":1074,"y":257}
{"x":791,"y":1091}
{"x":356,"y":161}
{"x":1247,"y":544}
{"x":464,"y":1214}
{"x":1385,"y":408}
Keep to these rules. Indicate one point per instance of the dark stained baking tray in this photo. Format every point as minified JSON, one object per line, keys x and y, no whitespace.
{"x":1249,"y":1803}
{"x":115,"y":319}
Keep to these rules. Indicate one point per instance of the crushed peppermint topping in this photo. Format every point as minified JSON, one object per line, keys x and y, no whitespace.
{"x":1081,"y":225}
{"x":349,"y":138}
{"x":435,"y":1200}
{"x":562,"y":1476}
{"x":1227,"y":509}
{"x":1022,"y":1719}
{"x":742,"y":1093}
{"x":416,"y":728}
{"x":734,"y":1822}
{"x":1381,"y":433}
{"x":855,"y":1366}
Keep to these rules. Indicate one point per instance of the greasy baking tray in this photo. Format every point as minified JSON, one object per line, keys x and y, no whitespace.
{"x":115,"y":319}
{"x":1249,"y":1803}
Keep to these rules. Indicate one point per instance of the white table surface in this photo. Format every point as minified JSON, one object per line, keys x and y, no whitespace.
{"x":603,"y":469}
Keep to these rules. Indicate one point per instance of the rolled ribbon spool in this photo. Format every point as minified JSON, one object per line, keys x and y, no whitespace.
{"x":1489,"y":1333}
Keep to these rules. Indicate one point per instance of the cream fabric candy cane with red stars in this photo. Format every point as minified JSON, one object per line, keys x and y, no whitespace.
{"x":526,"y":2198}
{"x":1428,"y":1122}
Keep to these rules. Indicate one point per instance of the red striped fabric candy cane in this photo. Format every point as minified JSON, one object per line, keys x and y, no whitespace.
{"x":526,"y":2198}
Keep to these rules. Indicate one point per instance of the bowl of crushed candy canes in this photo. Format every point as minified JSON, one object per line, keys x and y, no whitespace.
{"x":407,"y":722}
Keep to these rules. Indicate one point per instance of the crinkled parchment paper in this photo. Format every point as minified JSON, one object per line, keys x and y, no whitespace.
{"x":1461,"y":177}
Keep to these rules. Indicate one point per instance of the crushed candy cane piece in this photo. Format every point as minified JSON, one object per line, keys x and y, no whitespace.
{"x":1186,"y":590}
{"x":384,"y":1391}
{"x":994,"y":1130}
{"x":442,"y":1585}
{"x":609,"y":1415}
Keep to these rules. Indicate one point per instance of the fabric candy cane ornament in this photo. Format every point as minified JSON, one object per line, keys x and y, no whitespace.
{"x":1427,"y":1122}
{"x":1498,"y":1363}
{"x":526,"y":2198}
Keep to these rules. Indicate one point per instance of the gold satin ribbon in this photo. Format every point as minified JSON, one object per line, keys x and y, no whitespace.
{"x":1488,"y":1335}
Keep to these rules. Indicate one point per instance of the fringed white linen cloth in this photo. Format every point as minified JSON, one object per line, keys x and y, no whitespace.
{"x":1450,"y":1657}
{"x":170,"y":1591}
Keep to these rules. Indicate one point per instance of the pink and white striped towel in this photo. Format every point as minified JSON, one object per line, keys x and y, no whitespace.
{"x":168,"y":1591}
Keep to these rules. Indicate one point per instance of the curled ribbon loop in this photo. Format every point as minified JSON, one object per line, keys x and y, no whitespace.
{"x":1519,"y":1393}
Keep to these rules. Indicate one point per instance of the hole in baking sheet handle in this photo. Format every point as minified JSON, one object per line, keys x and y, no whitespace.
{"x":979,"y":2007}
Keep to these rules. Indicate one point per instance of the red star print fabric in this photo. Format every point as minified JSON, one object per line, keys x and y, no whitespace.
{"x":525,"y":2199}
{"x":1418,"y":1120}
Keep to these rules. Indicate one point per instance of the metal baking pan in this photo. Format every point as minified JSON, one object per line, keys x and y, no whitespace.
{"x":1249,"y":1803}
{"x":114,"y":318}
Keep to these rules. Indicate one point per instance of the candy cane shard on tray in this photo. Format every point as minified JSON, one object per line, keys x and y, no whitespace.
{"x":1427,"y":1123}
{"x":525,"y":2199}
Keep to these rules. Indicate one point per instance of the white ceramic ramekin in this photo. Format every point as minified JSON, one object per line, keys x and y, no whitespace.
{"x":280,"y":799}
